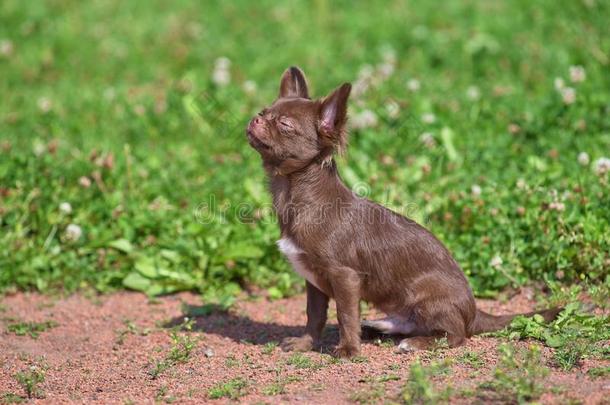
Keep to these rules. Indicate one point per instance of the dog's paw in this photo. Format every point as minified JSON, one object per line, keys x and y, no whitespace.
{"x":405,"y":347}
{"x":297,"y":344}
{"x":346,"y":351}
{"x":409,"y":345}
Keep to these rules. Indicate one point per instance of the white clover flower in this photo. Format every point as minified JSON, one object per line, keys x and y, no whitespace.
{"x":360,"y":87}
{"x":521,"y":184}
{"x":387,"y":160}
{"x":602,"y":166}
{"x":6,"y":47}
{"x":568,"y":95}
{"x":39,"y":147}
{"x":385,"y":70}
{"x":473,"y":93}
{"x":84,"y":182}
{"x":496,"y":261}
{"x":221,"y":76}
{"x":476,"y":190}
{"x":428,"y":139}
{"x":514,"y":128}
{"x":249,"y":87}
{"x":364,"y":119}
{"x":428,"y":118}
{"x":222,"y":63}
{"x":413,"y":85}
{"x":557,"y":206}
{"x":583,"y":158}
{"x":559,"y":83}
{"x":577,"y":74}
{"x":393,"y":109}
{"x":44,"y":104}
{"x":65,"y":208}
{"x":363,"y":82}
{"x":73,"y":232}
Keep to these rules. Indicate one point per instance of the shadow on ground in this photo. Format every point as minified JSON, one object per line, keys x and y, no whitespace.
{"x":213,"y":319}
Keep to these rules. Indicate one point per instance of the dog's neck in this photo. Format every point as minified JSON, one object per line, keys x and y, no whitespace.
{"x":316,"y":189}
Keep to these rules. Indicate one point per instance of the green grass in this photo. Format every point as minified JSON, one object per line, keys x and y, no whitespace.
{"x":269,"y":348}
{"x":421,"y":389}
{"x":163,"y":395}
{"x":111,"y":107}
{"x":11,"y":398}
{"x":302,"y":361}
{"x":471,"y":359}
{"x":597,"y":372}
{"x":33,"y":329}
{"x":519,"y":377}
{"x":181,"y":349}
{"x":574,"y":335}
{"x":129,"y":329}
{"x":30,"y":380}
{"x":278,"y":387}
{"x":233,"y":389}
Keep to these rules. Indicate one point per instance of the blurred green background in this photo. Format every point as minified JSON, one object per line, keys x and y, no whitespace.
{"x":123,"y":160}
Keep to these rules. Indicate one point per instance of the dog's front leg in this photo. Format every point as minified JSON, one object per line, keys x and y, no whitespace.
{"x":345,"y":283}
{"x":317,"y":309}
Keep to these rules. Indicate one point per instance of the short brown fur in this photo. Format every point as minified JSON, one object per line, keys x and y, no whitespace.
{"x":354,"y":249}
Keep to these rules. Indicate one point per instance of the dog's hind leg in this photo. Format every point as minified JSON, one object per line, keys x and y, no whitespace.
{"x":392,"y":325}
{"x":437,"y":320}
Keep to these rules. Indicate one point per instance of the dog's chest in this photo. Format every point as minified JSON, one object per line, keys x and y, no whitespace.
{"x":293,"y":253}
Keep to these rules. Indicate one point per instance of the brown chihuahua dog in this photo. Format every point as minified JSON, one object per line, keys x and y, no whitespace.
{"x":349,"y":248}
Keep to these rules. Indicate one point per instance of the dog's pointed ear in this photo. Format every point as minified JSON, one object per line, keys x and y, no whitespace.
{"x":294,"y":84}
{"x":333,"y":116}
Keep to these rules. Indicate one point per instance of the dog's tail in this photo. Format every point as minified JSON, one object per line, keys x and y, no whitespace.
{"x":484,"y":322}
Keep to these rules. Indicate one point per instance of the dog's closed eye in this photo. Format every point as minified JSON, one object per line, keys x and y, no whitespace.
{"x":285,"y":123}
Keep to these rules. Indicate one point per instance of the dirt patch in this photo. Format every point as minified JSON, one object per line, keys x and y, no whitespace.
{"x":102,"y":350}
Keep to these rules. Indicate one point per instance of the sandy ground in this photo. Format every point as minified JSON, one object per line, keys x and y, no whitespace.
{"x":91,"y":356}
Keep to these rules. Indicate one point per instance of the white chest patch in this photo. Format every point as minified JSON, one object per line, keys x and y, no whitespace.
{"x":292,"y":252}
